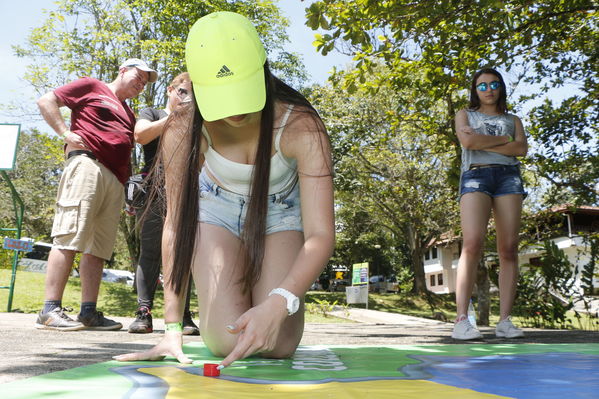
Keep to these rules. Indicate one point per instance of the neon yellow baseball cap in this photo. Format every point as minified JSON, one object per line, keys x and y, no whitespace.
{"x":225,"y":60}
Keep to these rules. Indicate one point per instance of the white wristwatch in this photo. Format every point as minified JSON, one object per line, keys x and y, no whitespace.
{"x":293,"y":301}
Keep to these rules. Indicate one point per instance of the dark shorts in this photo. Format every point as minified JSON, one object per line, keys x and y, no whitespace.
{"x":493,"y":181}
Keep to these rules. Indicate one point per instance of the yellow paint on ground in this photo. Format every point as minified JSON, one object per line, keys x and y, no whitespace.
{"x":184,"y":385}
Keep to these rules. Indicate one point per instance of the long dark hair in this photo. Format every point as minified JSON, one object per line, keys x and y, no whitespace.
{"x":253,"y":235}
{"x":475,"y":101}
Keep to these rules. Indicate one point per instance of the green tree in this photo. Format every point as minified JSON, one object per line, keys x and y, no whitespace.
{"x":35,"y":177}
{"x":386,"y":168}
{"x":547,"y":43}
{"x":92,"y":38}
{"x":571,"y":162}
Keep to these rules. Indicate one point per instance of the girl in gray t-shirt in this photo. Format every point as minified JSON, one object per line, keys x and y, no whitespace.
{"x":490,"y":180}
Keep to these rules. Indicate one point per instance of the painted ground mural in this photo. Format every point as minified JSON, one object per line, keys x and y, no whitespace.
{"x":411,"y":371}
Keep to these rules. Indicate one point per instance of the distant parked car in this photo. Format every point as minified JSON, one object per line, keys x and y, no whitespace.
{"x":118,"y":276}
{"x":381,"y":284}
{"x":339,"y":285}
{"x":376,"y":284}
{"x":40,"y":251}
{"x":325,"y":283}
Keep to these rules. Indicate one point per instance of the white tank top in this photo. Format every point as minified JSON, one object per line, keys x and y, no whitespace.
{"x":236,"y":177}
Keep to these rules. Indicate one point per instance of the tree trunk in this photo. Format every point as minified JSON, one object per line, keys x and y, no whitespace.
{"x":482,"y":293}
{"x":416,"y":253}
{"x":418,"y":265}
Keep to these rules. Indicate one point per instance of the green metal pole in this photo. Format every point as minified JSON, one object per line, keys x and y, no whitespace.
{"x":19,"y":211}
{"x":13,"y":276}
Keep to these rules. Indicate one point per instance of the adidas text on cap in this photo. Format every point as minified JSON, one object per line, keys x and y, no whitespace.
{"x":225,"y":60}
{"x":142,"y":66}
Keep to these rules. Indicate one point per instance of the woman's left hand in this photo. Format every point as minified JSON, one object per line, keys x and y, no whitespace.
{"x":258,"y":330}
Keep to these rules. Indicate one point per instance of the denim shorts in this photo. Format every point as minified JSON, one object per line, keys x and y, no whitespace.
{"x":494,"y":181}
{"x":227,"y":209}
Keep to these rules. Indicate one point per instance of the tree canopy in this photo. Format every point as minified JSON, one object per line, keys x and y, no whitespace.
{"x":547,"y":44}
{"x":391,"y":185}
{"x":92,"y":38}
{"x":36,"y":176}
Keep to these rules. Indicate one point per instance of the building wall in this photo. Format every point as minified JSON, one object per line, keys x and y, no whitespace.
{"x":446,"y":262}
{"x":440,"y":272}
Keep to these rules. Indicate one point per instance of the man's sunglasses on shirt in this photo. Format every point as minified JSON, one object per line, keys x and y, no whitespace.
{"x":181,"y":92}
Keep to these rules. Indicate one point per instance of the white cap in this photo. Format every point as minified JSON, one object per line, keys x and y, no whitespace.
{"x":142,"y":66}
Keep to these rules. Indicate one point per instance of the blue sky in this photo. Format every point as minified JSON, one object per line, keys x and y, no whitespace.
{"x":20,"y":17}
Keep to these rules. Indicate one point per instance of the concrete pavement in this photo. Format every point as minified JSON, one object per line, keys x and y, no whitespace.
{"x":30,"y":352}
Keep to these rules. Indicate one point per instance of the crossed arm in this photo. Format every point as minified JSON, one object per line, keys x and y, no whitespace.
{"x":499,"y":144}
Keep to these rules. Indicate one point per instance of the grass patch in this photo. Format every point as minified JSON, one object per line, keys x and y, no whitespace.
{"x":115,"y":299}
{"x":404,"y":303}
{"x":419,"y":306}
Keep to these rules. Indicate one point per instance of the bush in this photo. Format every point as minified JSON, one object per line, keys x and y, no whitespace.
{"x":547,"y":292}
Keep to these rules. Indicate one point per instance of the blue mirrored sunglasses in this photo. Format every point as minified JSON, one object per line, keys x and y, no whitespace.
{"x":494,"y":85}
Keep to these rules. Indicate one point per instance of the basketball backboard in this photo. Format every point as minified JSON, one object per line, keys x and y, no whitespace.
{"x":9,"y":138}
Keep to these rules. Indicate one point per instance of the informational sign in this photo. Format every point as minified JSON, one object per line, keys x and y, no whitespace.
{"x":357,"y":294}
{"x":360,"y":273}
{"x":18,"y":245}
{"x":339,"y":268}
{"x":34,"y":265}
{"x":9,"y":137}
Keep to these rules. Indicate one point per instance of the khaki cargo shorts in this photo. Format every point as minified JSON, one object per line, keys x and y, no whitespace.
{"x":88,"y":208}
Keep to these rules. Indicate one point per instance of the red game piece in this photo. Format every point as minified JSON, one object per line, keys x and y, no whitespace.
{"x":211,"y":370}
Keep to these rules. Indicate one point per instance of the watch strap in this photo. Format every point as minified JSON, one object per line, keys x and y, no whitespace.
{"x":289,"y":297}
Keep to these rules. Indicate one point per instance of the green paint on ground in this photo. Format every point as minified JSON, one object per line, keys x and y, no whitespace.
{"x":314,"y":370}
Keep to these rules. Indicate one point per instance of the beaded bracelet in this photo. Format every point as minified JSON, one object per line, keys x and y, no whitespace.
{"x":178,"y":327}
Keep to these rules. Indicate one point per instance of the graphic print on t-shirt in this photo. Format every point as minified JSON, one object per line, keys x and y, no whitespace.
{"x":492,"y":129}
{"x":108,"y":102}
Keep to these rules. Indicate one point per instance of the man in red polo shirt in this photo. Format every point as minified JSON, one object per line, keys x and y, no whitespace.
{"x":90,"y":195}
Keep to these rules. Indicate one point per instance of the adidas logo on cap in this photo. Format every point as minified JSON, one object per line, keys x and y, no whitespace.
{"x":224,"y":71}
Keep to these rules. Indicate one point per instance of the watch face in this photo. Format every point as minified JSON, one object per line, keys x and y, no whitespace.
{"x":294,"y":305}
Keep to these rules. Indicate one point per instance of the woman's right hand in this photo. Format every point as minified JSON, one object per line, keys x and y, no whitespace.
{"x":171,"y":345}
{"x":257,"y":329}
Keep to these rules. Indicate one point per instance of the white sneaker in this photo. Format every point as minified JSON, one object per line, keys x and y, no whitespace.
{"x":465,"y":331}
{"x":506,"y":329}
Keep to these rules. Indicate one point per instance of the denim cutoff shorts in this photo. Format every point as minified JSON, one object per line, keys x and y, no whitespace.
{"x":494,"y":181}
{"x":227,"y":209}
